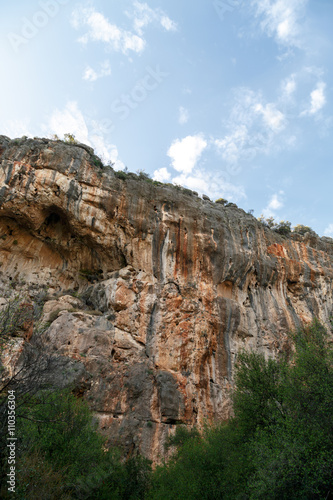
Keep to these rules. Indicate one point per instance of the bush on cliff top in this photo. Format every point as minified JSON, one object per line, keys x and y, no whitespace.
{"x":284,"y":227}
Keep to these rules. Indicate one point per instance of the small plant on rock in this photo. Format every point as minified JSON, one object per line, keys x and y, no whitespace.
{"x":70,"y":138}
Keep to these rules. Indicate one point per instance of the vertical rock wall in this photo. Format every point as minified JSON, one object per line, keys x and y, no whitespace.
{"x":169,"y":287}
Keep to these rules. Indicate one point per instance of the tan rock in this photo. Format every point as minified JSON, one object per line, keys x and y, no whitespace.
{"x":182,"y":285}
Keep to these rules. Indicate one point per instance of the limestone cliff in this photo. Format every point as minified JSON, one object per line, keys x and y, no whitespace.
{"x":153,"y":290}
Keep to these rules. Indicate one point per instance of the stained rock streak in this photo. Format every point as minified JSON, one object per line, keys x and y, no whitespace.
{"x":170,"y":287}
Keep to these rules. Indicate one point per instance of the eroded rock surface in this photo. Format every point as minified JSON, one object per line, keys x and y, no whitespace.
{"x":168,"y":287}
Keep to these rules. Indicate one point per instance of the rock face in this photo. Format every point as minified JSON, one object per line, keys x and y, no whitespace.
{"x":167,"y":287}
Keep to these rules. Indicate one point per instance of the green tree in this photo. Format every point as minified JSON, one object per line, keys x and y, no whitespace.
{"x":279,"y":445}
{"x":58,"y":438}
{"x":294,"y":457}
{"x":300,"y":229}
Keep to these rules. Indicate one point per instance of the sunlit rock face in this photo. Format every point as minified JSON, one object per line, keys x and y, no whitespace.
{"x":168,"y":287}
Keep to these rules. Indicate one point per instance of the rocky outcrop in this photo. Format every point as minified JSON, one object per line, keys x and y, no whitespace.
{"x":152,"y":289}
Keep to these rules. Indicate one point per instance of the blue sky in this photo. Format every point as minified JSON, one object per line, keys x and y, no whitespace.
{"x":230,"y":98}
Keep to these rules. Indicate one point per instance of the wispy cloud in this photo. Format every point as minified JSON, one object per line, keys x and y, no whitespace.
{"x":168,"y":24}
{"x":272,"y":117}
{"x":71,"y":120}
{"x":289,"y":86}
{"x":91,"y":75}
{"x":143,"y":15}
{"x":329,"y":230}
{"x":274,"y":204}
{"x":281,"y":19}
{"x":99,"y":29}
{"x":17,"y":128}
{"x":318,"y":99}
{"x":213,"y":184}
{"x":183,"y":116}
{"x":253,"y":127}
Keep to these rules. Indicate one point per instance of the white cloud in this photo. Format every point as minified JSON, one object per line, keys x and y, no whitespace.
{"x":215,"y":184}
{"x":161,"y":175}
{"x":289,"y":87}
{"x":71,"y":120}
{"x":108,"y":152}
{"x":168,"y":24}
{"x":101,"y":30}
{"x":253,"y":127}
{"x":197,"y":181}
{"x":186,"y":152}
{"x":281,"y":19}
{"x":143,"y":15}
{"x":272,"y":116}
{"x":183,"y":115}
{"x":91,"y":75}
{"x":274,"y":204}
{"x":17,"y":128}
{"x":329,"y":230}
{"x":232,"y":145}
{"x":318,"y":99}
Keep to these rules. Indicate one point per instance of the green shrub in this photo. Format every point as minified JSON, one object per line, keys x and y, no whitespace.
{"x":14,"y":315}
{"x":97,"y":161}
{"x":143,"y":175}
{"x":284,"y":228}
{"x":58,"y":437}
{"x":267,"y":221}
{"x":120,"y":174}
{"x":221,"y":201}
{"x":70,"y":139}
{"x":300,"y":229}
{"x":36,"y":478}
{"x":279,"y":445}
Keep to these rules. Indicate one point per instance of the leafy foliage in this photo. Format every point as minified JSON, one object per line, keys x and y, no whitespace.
{"x":283,"y":227}
{"x":279,"y":445}
{"x":59,"y":447}
{"x":221,"y":201}
{"x":14,"y":316}
{"x":300,"y":229}
{"x":70,"y":138}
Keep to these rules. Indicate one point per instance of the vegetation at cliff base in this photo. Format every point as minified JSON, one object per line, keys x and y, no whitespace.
{"x":60,"y":454}
{"x":279,"y":445}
